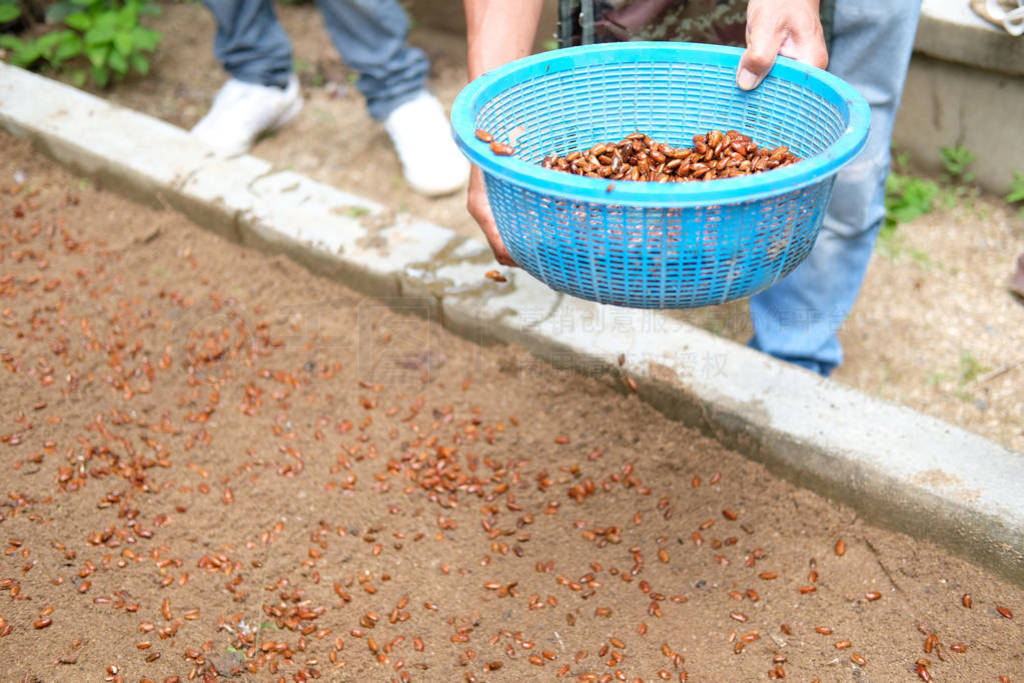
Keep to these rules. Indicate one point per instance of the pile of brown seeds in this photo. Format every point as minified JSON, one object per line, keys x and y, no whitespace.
{"x":638,"y":157}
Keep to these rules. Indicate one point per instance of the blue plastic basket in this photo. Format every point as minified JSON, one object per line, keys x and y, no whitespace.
{"x":650,"y":245}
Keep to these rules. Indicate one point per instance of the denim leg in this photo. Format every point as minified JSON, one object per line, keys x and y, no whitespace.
{"x":250,"y":43}
{"x":796,"y":319}
{"x":370,"y":36}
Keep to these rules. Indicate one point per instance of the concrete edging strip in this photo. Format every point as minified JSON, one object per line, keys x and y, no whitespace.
{"x":951,"y":31}
{"x":895,"y":466}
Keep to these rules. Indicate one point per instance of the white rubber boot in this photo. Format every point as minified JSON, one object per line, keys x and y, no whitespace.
{"x":241,"y":111}
{"x":422,"y":136}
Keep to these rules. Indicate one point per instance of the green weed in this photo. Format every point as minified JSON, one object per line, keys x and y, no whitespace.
{"x":907,"y":197}
{"x":1017,"y":190}
{"x":957,"y":162}
{"x":100,"y":38}
{"x":9,"y":11}
{"x":958,"y":176}
{"x":970,"y":368}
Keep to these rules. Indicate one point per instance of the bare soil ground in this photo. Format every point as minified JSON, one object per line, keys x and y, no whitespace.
{"x":216,"y":464}
{"x":935,"y":327}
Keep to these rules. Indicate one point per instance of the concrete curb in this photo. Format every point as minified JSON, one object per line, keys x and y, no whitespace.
{"x":895,"y":466}
{"x":951,"y":31}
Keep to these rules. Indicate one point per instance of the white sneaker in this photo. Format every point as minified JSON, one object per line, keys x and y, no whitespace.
{"x":421,"y":133}
{"x":241,"y":111}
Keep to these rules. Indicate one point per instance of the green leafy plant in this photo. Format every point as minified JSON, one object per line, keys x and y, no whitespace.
{"x":957,"y":162}
{"x":907,"y":197}
{"x":958,"y":176}
{"x":9,"y":11}
{"x":104,"y":36}
{"x":1017,"y":190}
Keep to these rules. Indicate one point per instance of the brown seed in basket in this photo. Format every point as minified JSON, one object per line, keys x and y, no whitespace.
{"x":501,"y":149}
{"x":639,"y":158}
{"x":483,"y":135}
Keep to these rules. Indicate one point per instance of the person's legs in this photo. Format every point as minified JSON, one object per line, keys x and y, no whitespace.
{"x":250,"y":43}
{"x":370,"y":36}
{"x":796,"y":319}
{"x":262,"y":93}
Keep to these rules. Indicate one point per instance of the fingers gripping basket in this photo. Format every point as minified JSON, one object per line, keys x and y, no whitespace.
{"x":650,"y":245}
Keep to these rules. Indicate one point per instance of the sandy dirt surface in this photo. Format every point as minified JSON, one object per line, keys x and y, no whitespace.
{"x":935,"y":327}
{"x":216,"y":464}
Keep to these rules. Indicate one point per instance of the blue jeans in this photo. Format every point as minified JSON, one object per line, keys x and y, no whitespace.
{"x":369,"y":34}
{"x":796,"y":319}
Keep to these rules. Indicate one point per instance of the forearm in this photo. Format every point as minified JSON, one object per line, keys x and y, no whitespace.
{"x":499,"y":31}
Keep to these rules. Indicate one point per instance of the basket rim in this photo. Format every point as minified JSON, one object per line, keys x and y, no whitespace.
{"x":675,"y":195}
